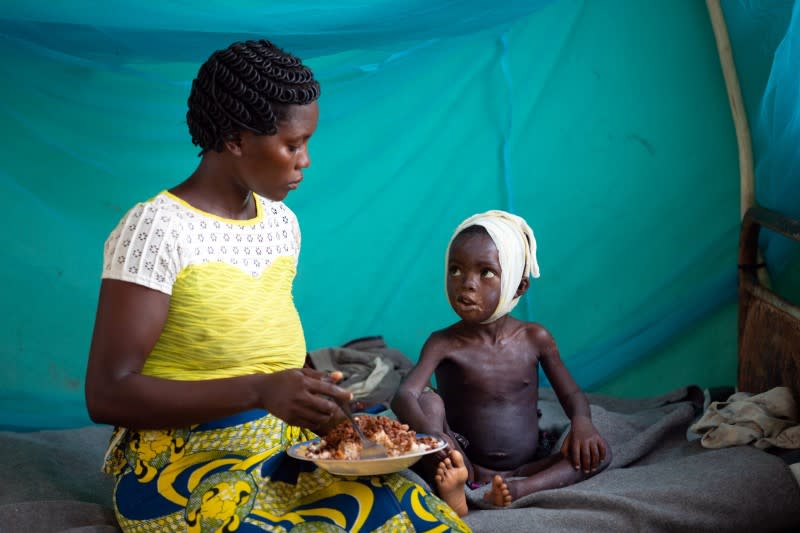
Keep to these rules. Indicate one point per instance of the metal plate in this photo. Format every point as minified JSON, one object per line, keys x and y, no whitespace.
{"x":362,"y":467}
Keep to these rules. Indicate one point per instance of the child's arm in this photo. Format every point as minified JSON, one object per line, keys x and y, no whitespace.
{"x":583,"y":446}
{"x":405,"y":403}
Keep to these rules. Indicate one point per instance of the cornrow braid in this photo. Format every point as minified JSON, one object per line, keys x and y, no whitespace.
{"x":246,"y":87}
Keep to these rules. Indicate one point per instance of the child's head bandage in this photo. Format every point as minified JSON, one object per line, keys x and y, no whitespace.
{"x":516,"y":250}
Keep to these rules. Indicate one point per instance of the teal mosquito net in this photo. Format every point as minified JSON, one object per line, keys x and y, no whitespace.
{"x":605,"y":124}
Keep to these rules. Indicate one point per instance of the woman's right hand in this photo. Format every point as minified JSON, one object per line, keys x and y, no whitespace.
{"x":303,"y":397}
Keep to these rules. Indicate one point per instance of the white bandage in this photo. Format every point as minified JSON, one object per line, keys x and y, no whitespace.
{"x":516,"y":250}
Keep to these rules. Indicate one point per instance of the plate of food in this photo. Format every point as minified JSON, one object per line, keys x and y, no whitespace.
{"x":339,"y":452}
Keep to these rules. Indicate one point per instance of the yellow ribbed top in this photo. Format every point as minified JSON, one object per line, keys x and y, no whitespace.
{"x":223,"y":322}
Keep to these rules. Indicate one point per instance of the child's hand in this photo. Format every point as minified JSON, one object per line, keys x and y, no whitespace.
{"x":584,"y":447}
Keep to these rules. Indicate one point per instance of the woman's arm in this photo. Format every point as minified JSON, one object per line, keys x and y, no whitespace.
{"x":129,"y":321}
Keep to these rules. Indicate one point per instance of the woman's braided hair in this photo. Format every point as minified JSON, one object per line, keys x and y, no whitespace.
{"x":247,"y":86}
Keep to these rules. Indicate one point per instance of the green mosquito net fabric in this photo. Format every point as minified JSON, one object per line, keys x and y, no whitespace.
{"x":605,"y":124}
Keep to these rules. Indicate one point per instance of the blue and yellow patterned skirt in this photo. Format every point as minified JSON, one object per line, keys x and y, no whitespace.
{"x":234,"y":475}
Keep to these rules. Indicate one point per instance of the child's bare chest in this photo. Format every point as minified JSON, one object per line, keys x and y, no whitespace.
{"x":497,"y":371}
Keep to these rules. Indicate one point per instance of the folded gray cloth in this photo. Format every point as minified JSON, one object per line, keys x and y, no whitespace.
{"x":372,"y":371}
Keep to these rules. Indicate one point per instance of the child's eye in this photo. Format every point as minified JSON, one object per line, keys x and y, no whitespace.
{"x":454,"y":271}
{"x":293,"y":148}
{"x":487,"y":273}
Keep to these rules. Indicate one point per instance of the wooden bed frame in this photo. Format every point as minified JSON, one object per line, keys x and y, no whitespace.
{"x":769,"y":325}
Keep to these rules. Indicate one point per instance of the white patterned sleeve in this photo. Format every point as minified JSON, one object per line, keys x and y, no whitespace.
{"x":143,"y":249}
{"x":295,"y":233}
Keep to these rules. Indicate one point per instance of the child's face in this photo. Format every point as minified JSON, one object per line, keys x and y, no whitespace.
{"x":473,"y":276}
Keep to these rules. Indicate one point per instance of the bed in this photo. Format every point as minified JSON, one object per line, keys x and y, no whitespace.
{"x":661,"y":478}
{"x":769,"y":326}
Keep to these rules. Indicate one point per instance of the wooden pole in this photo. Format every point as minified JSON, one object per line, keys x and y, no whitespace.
{"x":747,"y":195}
{"x":743,"y":140}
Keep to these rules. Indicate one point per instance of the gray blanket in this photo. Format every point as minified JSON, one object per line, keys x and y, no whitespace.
{"x":51,"y":481}
{"x":658,"y":481}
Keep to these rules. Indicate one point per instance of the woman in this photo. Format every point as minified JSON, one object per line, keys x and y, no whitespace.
{"x":198,"y":352}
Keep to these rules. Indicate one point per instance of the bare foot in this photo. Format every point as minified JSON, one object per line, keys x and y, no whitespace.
{"x":451,"y":474}
{"x":499,"y":494}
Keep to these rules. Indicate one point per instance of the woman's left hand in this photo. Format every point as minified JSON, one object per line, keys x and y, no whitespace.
{"x":584,"y":447}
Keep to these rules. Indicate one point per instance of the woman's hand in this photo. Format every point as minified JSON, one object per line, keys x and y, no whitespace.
{"x":584,"y":447}
{"x":304,"y":397}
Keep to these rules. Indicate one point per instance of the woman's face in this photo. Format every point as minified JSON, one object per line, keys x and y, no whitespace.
{"x":272,"y":165}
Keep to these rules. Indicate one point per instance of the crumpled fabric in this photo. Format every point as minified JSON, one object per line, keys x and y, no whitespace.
{"x":372,"y":370}
{"x":761,"y":420}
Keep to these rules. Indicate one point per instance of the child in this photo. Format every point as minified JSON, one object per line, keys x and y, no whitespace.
{"x":486,"y":369}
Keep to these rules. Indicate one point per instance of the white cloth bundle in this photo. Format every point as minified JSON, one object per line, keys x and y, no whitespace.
{"x":763,"y":420}
{"x":516,"y":250}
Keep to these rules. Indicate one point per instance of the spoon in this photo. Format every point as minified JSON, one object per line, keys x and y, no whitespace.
{"x":369,"y":448}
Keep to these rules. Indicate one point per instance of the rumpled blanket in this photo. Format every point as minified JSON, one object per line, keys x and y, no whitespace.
{"x":762,"y":420}
{"x":372,"y":370}
{"x":659,"y":480}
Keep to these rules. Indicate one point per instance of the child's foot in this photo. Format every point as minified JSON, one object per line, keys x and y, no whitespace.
{"x":451,"y":475}
{"x":499,"y":494}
